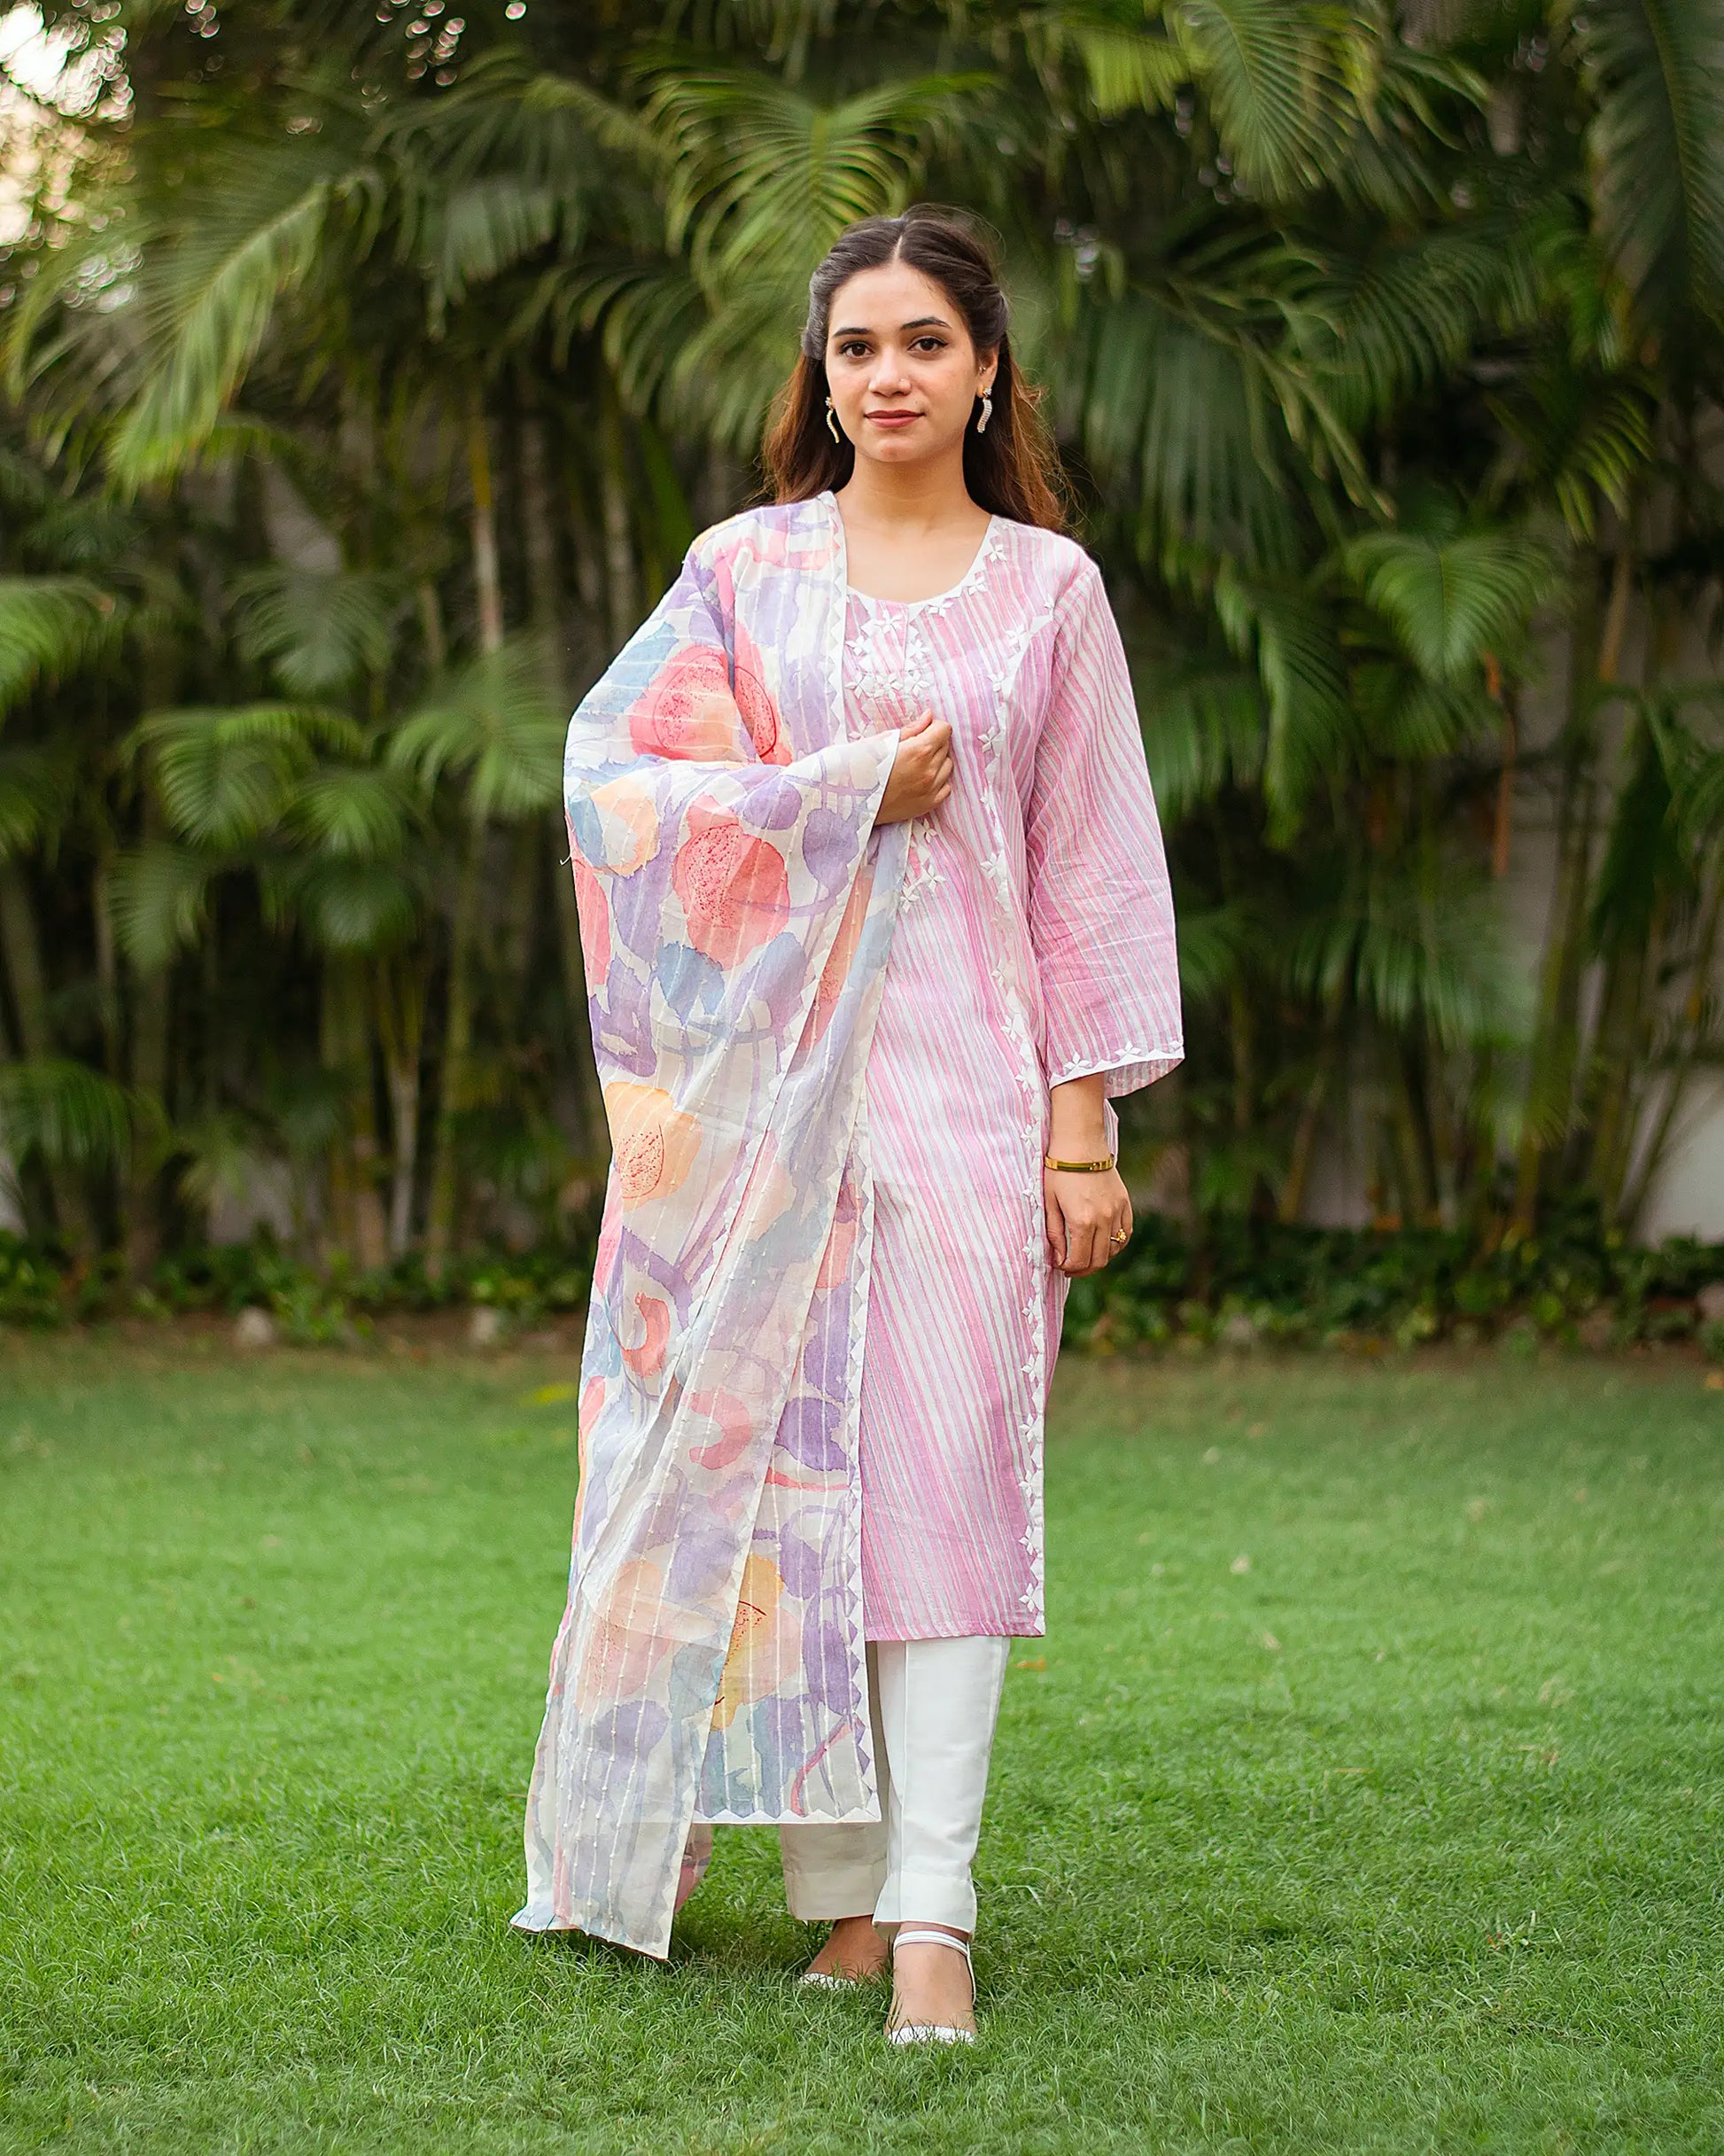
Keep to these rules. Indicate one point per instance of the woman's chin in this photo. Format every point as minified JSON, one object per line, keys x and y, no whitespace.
{"x":912,"y":448}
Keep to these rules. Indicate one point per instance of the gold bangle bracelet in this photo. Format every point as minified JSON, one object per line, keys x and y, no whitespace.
{"x":1080,"y":1167}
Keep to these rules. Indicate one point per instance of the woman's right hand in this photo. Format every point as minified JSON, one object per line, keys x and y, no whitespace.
{"x":922,"y":770}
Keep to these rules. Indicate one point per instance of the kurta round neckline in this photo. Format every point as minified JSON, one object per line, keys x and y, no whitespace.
{"x":972,"y":575}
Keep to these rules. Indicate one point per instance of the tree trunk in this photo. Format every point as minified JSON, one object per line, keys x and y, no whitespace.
{"x":487,"y":579}
{"x":622,"y":583}
{"x":23,"y":944}
{"x":357,"y":1208}
{"x":1502,"y":826}
{"x":370,"y":1229}
{"x":443,"y":1205}
{"x":401,"y":1009}
{"x":538,"y":536}
{"x":107,"y":964}
{"x":1310,"y":1114}
{"x":339,"y":1165}
{"x":1550,"y":1080}
{"x":431,"y":626}
{"x":148,"y":1004}
{"x":1418,"y":1196}
{"x":550,"y":839}
{"x":525,"y":881}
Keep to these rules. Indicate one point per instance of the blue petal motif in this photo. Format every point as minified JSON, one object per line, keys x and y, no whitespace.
{"x":691,"y":984}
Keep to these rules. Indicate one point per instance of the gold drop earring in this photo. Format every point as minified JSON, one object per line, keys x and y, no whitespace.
{"x":984,"y":417}
{"x":832,"y":422}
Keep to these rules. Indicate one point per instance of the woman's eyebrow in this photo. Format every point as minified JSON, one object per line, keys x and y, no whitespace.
{"x":922,"y":322}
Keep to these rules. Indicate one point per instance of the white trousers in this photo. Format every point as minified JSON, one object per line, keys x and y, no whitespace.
{"x":934,"y":1703}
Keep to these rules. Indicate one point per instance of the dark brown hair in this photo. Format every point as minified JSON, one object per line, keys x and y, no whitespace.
{"x":1014,"y":468}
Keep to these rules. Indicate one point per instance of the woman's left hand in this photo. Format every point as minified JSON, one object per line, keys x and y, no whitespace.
{"x":1089,"y":1218}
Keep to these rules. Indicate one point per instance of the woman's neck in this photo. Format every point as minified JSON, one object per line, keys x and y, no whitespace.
{"x":909,"y":499}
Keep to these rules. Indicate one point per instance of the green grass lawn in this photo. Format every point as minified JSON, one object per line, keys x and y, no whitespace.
{"x":1364,"y":1796}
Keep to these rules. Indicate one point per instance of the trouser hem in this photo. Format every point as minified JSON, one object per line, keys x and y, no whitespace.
{"x":926,"y":1897}
{"x":822,"y":1896}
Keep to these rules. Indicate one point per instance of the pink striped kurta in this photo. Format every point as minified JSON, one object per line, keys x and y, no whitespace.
{"x":1034,"y":943}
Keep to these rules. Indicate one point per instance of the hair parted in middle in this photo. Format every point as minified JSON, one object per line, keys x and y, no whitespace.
{"x":1013,"y":470}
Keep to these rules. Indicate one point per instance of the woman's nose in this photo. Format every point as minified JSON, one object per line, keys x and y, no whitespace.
{"x":887,"y":374}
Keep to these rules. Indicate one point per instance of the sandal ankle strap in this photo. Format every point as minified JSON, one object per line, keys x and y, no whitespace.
{"x":915,"y":1937}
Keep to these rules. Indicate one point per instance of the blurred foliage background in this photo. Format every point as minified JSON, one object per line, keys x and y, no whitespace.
{"x":368,"y":369}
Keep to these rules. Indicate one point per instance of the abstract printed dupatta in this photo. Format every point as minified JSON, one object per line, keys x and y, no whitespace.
{"x":736,"y":907}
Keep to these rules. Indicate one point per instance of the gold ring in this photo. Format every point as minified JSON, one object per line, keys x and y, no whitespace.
{"x":1124,"y":1235}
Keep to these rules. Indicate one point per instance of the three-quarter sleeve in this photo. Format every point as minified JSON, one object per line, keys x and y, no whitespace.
{"x":1101,"y":910}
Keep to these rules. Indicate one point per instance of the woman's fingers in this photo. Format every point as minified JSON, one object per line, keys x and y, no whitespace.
{"x":1086,"y":1227}
{"x":1086,"y":1246}
{"x":930,"y":757}
{"x":1055,"y":1223}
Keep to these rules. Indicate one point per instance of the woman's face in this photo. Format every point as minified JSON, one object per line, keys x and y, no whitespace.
{"x":902,"y":371}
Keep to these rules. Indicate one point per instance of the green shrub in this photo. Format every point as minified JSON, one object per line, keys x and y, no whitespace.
{"x":32,"y":1286}
{"x":1227,"y":1281}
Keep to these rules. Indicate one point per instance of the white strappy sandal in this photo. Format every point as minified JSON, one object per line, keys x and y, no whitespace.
{"x":933,"y":2032}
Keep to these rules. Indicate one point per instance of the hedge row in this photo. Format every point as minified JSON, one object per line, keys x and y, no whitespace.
{"x":310,"y":1306}
{"x":1241,"y":1282}
{"x":1234,"y":1282}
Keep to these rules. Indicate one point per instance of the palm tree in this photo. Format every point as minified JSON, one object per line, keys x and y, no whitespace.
{"x":352,"y":428}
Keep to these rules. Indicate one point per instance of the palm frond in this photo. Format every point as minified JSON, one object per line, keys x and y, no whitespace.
{"x":1402,"y":320}
{"x":224,"y":1155}
{"x":1216,"y":944}
{"x":346,"y":906}
{"x":268,"y":219}
{"x":350,"y":814}
{"x":1642,"y":856}
{"x":64,"y":1113}
{"x":158,"y":898}
{"x":1420,"y":943}
{"x":1693,"y":762}
{"x":50,"y":626}
{"x":1206,"y":727}
{"x":763,"y":178}
{"x":33,"y":796}
{"x":224,"y":774}
{"x":1580,"y":435}
{"x":318,"y":629}
{"x":1272,"y":77}
{"x":496,"y":727}
{"x":1656,"y":70}
{"x":1126,"y":66}
{"x":1294,"y":639}
{"x":510,"y":162}
{"x":1182,"y":410}
{"x":1408,"y":718}
{"x":1406,"y":103}
{"x":1451,"y":600}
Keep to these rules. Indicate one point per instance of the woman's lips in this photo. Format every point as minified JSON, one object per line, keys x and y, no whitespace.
{"x":892,"y":419}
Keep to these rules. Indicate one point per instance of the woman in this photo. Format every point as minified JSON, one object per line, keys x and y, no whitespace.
{"x":876,"y":924}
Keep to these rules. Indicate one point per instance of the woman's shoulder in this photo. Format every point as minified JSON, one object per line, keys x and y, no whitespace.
{"x":1055,"y":563}
{"x":766,"y":528}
